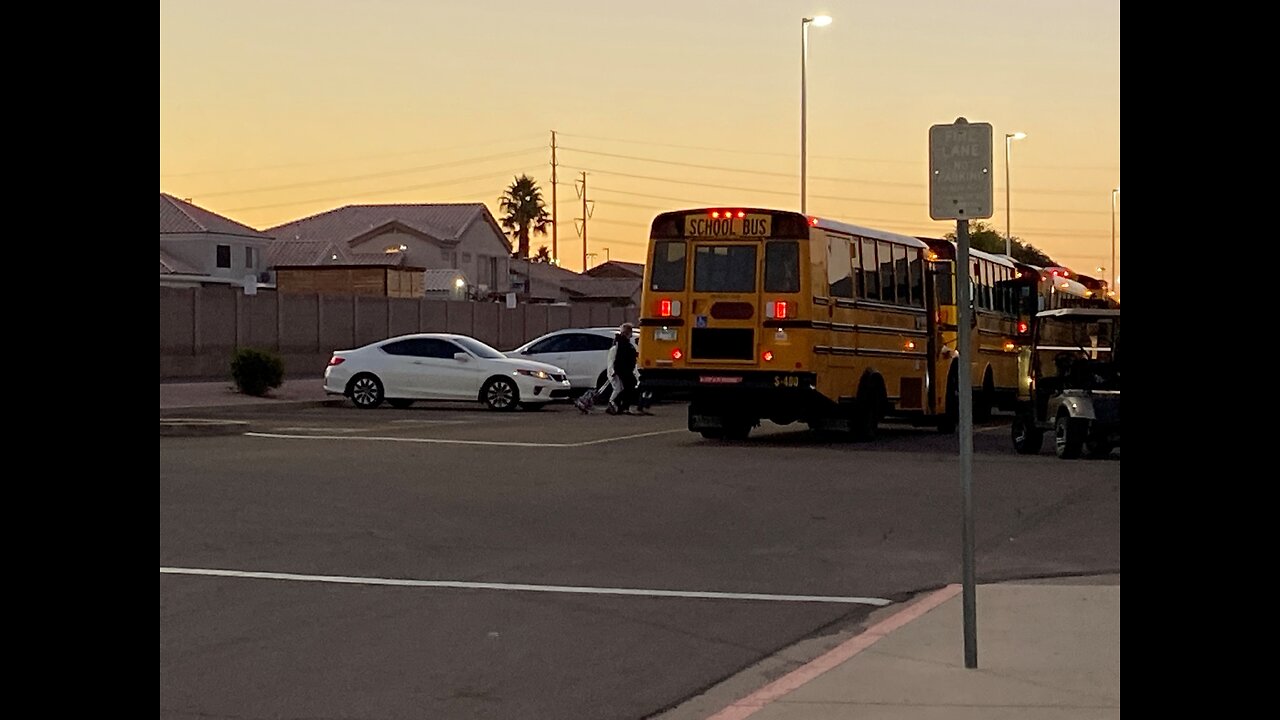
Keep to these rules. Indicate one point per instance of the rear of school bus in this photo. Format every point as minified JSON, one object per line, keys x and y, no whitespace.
{"x":726,"y":314}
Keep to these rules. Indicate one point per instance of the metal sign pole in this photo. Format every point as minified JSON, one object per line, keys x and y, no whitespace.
{"x":964,"y":385}
{"x":960,"y":189}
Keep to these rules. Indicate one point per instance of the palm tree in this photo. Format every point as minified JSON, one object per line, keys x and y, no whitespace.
{"x":525,"y":212}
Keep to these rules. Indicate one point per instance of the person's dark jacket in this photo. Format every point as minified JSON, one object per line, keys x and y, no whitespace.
{"x":624,"y":360}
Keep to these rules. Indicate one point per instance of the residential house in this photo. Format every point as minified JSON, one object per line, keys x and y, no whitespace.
{"x":553,"y":284}
{"x":460,"y":237}
{"x":617,"y":269}
{"x":198,"y":247}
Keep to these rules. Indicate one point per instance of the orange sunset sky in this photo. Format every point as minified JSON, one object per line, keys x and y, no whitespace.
{"x":273,"y":110}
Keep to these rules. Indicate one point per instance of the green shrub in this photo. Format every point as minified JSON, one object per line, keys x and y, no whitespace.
{"x":255,"y":371}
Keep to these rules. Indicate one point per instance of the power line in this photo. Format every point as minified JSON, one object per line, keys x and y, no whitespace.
{"x":388,"y":173}
{"x":313,"y":163}
{"x":374,"y":193}
{"x":824,"y":157}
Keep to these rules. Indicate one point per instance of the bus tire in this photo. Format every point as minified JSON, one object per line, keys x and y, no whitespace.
{"x":737,"y":429}
{"x":950,"y":418}
{"x":984,"y":400}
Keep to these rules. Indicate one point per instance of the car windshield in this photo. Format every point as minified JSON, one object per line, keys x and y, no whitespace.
{"x":479,"y":349}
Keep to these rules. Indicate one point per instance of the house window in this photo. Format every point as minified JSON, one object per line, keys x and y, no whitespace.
{"x":224,"y":256}
{"x":393,"y":249}
{"x":248,"y":258}
{"x":466,"y":257}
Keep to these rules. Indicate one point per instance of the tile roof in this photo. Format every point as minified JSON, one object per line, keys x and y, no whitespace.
{"x":293,"y":252}
{"x":170,"y":265}
{"x":444,"y":221}
{"x":180,"y":216}
{"x":617,"y":268}
{"x":589,"y":287}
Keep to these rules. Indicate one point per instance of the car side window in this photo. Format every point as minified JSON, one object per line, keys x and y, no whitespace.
{"x":442,"y":349}
{"x":422,"y":347}
{"x":596,"y":342}
{"x":550,"y":345}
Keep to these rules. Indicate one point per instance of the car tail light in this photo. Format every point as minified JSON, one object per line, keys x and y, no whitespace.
{"x":335,"y":360}
{"x":1022,"y":328}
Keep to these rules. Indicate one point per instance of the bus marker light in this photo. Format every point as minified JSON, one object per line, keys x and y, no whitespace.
{"x":768,"y":356}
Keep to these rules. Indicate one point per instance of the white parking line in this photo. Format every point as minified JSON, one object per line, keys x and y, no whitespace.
{"x":440,"y":441}
{"x":571,"y":589}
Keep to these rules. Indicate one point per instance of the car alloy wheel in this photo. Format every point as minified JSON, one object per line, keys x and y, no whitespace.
{"x":500,"y":394}
{"x":366,"y":392}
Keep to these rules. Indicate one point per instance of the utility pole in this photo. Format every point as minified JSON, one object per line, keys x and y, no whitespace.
{"x":587,"y":208}
{"x":555,"y":226}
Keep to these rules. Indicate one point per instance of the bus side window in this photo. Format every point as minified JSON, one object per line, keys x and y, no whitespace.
{"x":839,"y":283}
{"x":901,"y":275}
{"x":888,"y":288}
{"x":870,"y":273}
{"x":917,"y":280}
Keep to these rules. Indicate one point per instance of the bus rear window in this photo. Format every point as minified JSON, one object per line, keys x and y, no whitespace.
{"x":724,"y":268}
{"x":667,"y":274}
{"x":782,"y":267}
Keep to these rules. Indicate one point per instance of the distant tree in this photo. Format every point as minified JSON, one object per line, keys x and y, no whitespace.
{"x":984,"y":237}
{"x":543,"y":255}
{"x":524,"y":212}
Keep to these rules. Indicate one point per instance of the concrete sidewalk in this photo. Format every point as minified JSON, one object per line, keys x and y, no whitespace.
{"x":1047,"y":649}
{"x":175,"y":396}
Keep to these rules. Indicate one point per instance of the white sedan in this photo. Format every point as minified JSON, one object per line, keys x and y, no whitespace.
{"x":582,"y":352}
{"x":441,"y":366}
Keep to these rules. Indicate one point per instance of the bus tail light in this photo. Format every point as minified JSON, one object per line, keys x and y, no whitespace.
{"x":668,"y":308}
{"x":768,"y":356}
{"x":777,"y":309}
{"x":676,"y":354}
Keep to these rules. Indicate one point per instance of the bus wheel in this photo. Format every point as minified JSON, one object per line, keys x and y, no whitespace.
{"x":712,"y":434}
{"x":950,"y":418}
{"x":1027,"y":438}
{"x":863,"y":421}
{"x":984,"y":401}
{"x":737,"y":428}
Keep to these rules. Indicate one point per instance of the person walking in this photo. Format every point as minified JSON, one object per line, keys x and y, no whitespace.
{"x":622,"y":365}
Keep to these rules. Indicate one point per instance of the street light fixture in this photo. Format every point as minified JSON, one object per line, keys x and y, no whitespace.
{"x":819,"y":21}
{"x":1008,"y":233}
{"x":1115,"y":197}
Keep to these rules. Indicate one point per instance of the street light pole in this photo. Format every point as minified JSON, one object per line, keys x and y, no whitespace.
{"x":820,"y":21}
{"x":1115,"y":196}
{"x":1008,"y":232}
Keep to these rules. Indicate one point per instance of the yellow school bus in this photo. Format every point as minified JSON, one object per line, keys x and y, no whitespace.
{"x":763,"y":314}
